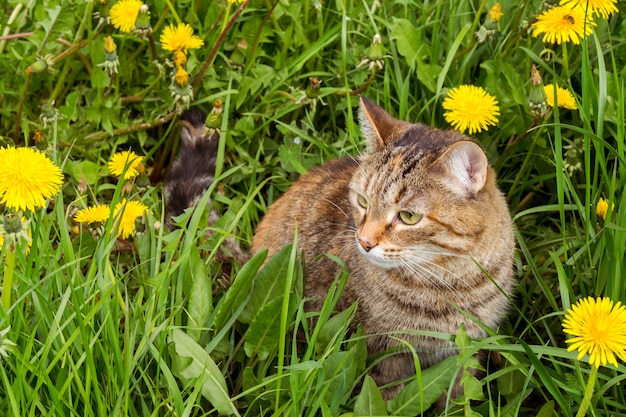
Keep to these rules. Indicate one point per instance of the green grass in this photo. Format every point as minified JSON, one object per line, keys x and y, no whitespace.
{"x":155,"y":326}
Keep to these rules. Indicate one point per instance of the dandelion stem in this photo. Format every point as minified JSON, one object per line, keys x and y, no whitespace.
{"x":588,"y":392}
{"x":7,"y":283}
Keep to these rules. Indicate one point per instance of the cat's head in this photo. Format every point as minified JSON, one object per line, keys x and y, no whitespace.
{"x":420,"y":192}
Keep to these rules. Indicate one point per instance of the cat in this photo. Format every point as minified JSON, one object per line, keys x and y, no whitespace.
{"x":415,"y":218}
{"x":192,"y":174}
{"x":422,"y":227}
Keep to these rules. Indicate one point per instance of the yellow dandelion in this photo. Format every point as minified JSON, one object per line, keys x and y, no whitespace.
{"x":564,"y":98}
{"x":470,"y":108}
{"x":602,"y":207}
{"x":599,"y":329}
{"x":179,"y":59}
{"x":181,"y":77}
{"x":124,"y":14}
{"x":495,"y":13}
{"x":109,"y":45}
{"x":120,"y":160}
{"x":180,"y":38}
{"x":94,"y":214}
{"x":27,"y":178}
{"x":126,"y":213}
{"x":603,"y":8}
{"x":563,"y":24}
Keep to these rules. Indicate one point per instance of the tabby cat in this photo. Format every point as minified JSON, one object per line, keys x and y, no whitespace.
{"x":422,"y":227}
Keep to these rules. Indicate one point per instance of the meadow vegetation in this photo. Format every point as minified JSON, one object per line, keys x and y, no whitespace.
{"x":106,"y":312}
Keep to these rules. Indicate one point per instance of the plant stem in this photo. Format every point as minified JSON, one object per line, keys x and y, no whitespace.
{"x":7,"y":283}
{"x":588,"y":392}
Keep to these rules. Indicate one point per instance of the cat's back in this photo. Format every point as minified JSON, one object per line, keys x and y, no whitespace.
{"x":316,"y":205}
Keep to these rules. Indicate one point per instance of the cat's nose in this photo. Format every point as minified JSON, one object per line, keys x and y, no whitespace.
{"x":366,"y":244}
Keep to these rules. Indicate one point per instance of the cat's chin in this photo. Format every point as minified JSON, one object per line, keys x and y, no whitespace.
{"x":376,"y":257}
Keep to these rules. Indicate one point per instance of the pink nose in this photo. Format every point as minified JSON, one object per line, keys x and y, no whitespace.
{"x":366,"y":244}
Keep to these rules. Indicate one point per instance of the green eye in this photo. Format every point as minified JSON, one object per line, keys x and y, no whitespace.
{"x":362,"y":201}
{"x":409,"y":218}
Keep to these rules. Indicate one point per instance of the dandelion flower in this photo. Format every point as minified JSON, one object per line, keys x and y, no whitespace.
{"x":602,"y":207}
{"x":126,"y":214}
{"x":495,"y":13}
{"x":563,"y":24}
{"x":599,"y":329}
{"x":180,"y":38}
{"x":181,"y":77}
{"x":120,"y":160}
{"x":94,"y":214}
{"x":564,"y":98}
{"x":27,"y":178}
{"x":124,"y":14}
{"x":470,"y":108}
{"x":604,"y":8}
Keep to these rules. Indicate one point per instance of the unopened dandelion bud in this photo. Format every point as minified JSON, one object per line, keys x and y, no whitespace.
{"x":313,"y":90}
{"x":12,"y":223}
{"x":537,"y":99}
{"x":375,"y":55}
{"x":39,"y":65}
{"x":214,"y":118}
{"x":142,"y":181}
{"x":142,"y":24}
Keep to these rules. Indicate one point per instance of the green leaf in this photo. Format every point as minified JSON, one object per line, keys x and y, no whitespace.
{"x":200,"y":297}
{"x":199,"y":368}
{"x":238,"y":290}
{"x":435,"y":379}
{"x":262,"y":336}
{"x":370,"y":401}
{"x":334,"y":329}
{"x":268,"y":284}
{"x":409,"y":41}
{"x":84,"y":169}
{"x":340,"y":374}
{"x":547,"y":410}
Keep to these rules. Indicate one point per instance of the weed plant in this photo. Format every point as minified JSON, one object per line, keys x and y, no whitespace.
{"x":93,"y":324}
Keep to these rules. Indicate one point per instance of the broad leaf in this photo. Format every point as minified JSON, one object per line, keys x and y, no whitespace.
{"x":269,"y":284}
{"x":370,"y":401}
{"x":199,"y":368}
{"x":262,"y":336}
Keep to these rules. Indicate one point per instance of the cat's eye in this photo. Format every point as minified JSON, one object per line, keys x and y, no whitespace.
{"x":409,"y":218}
{"x":362,"y":201}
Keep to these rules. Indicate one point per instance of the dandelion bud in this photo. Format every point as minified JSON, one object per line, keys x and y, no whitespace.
{"x":110,"y":62}
{"x":537,"y":99}
{"x":41,"y":64}
{"x":375,"y":56}
{"x":313,"y":90}
{"x":142,"y":24}
{"x":214,"y":119}
{"x":12,"y":223}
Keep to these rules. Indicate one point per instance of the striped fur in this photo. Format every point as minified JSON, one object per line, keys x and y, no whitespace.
{"x":404,"y":277}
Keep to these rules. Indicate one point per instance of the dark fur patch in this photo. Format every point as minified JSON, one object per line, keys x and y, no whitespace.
{"x":193,"y":171}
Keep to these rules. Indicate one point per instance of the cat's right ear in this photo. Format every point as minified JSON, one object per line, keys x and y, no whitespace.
{"x":377,"y":126}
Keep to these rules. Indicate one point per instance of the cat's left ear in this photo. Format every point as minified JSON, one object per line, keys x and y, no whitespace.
{"x":377,"y":126}
{"x":465,"y":167}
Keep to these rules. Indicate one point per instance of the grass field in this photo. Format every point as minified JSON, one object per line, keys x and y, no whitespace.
{"x":121,"y":317}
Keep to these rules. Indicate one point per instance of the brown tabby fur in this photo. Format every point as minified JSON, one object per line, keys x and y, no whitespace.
{"x":404,"y":277}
